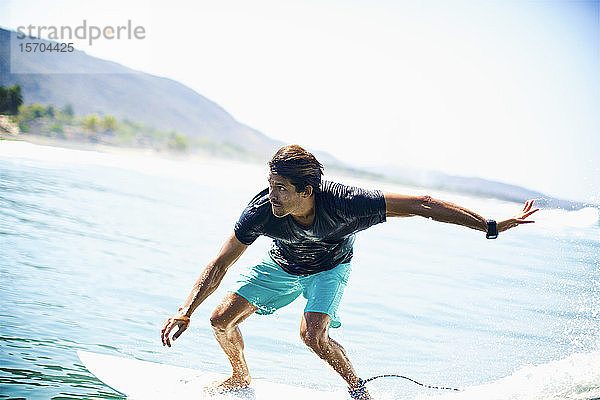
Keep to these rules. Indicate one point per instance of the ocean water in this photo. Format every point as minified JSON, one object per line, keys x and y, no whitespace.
{"x":97,"y":250}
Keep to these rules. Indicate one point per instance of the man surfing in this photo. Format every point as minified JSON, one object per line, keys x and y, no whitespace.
{"x":313,"y":223}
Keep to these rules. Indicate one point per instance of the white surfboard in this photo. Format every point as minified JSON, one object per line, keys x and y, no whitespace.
{"x":143,"y":380}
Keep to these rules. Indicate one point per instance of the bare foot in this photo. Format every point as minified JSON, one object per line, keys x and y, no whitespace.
{"x":359,"y":392}
{"x":232,"y":384}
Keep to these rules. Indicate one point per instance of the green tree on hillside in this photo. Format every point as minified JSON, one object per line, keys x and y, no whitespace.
{"x":50,"y":112}
{"x":177,"y":142}
{"x":68,"y":111}
{"x":3,"y":98}
{"x":91,"y":123}
{"x":10,"y":99}
{"x":32,"y":111}
{"x":109,"y":123}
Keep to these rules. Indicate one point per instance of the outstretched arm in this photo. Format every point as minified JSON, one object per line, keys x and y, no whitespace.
{"x":206,"y":284}
{"x":398,"y":205}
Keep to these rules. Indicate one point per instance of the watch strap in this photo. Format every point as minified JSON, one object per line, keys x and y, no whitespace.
{"x":492,"y":230}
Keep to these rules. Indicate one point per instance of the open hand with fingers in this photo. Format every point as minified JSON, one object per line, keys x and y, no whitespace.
{"x":180,"y":321}
{"x":519,"y":218}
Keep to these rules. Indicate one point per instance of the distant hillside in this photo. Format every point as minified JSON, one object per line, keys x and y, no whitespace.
{"x":154,"y":101}
{"x":474,"y":186}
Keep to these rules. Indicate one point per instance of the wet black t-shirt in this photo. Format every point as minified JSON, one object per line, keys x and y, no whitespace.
{"x":340,"y":212}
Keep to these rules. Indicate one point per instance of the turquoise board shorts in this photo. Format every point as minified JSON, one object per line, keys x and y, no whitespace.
{"x":269,"y":288}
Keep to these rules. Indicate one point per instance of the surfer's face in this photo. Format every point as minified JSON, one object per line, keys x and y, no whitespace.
{"x":283,"y":196}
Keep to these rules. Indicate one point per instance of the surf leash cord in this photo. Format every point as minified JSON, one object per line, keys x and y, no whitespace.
{"x":364,"y":381}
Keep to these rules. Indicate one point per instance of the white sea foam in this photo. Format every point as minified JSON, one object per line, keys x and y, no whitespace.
{"x":575,"y":378}
{"x":583,"y":218}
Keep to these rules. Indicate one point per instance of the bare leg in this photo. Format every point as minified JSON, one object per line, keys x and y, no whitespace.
{"x":225,"y":320}
{"x":314,"y":331}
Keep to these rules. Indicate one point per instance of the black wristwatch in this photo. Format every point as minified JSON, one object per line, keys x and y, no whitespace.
{"x":492,"y":232}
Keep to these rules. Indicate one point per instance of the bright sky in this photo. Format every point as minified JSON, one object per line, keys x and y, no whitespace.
{"x":505,"y":90}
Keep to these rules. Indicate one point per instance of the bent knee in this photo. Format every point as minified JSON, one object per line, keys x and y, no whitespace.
{"x":219,"y":321}
{"x":231,"y":312}
{"x":316,"y":339}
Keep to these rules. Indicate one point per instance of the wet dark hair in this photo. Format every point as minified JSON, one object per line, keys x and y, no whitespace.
{"x":299,"y":166}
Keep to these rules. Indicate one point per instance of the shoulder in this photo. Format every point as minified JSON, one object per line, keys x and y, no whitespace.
{"x":255,"y":216}
{"x":259,"y":207}
{"x":330,"y":195}
{"x":260,"y":199}
{"x":350,"y":201}
{"x":341,"y":192}
{"x":334,"y":189}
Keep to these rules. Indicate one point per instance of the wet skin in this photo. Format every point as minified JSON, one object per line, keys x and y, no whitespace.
{"x":286,"y":200}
